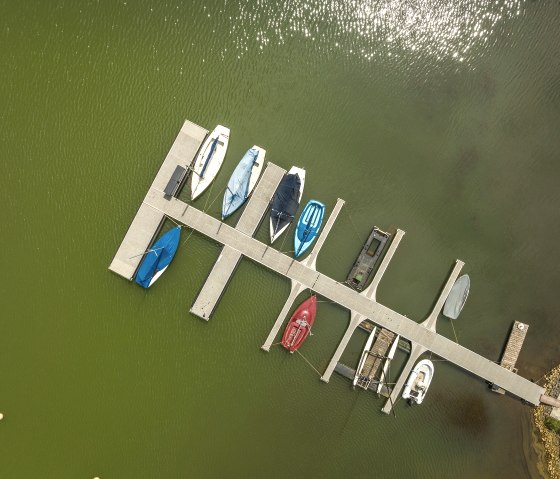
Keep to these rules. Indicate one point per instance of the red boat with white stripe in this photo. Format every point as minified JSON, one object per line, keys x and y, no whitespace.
{"x":300,"y":324}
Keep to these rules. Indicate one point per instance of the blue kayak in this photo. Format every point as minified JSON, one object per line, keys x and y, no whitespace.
{"x":243,"y":180}
{"x":158,"y":257}
{"x":308,"y":226}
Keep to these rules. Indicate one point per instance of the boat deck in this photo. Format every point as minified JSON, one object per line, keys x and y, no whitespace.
{"x":368,"y":258}
{"x":375,"y":357}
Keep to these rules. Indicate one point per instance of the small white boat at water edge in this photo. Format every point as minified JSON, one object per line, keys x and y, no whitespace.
{"x":209,"y":160}
{"x":365,"y":353}
{"x":418,"y":382}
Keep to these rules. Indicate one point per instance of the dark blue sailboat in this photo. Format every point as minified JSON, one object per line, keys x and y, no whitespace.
{"x":308,"y":226}
{"x":157,"y":259}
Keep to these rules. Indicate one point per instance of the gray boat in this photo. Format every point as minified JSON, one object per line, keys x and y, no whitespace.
{"x":457,"y":297}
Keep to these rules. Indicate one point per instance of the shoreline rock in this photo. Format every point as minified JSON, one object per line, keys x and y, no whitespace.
{"x":549,"y":440}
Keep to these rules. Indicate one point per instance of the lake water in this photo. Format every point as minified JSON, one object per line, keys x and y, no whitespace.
{"x":437,"y":117}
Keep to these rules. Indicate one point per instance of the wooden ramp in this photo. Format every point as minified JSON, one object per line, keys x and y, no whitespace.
{"x":512,"y":350}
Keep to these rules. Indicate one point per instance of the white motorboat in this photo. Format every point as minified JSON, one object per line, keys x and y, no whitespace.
{"x":418,"y":382}
{"x":209,"y":160}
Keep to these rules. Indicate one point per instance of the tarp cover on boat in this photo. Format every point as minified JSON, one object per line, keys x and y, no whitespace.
{"x":457,"y":297}
{"x":238,"y":184}
{"x":286,"y":201}
{"x":158,"y":257}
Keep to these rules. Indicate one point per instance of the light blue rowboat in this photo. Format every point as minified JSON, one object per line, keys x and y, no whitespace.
{"x":308,"y":226}
{"x":243,"y":180}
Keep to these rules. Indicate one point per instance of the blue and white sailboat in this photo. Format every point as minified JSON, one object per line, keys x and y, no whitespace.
{"x":243,"y":180}
{"x":157,"y":259}
{"x":308,"y":226}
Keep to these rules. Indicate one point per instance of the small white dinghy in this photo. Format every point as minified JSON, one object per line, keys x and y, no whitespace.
{"x":418,"y":382}
{"x":209,"y":160}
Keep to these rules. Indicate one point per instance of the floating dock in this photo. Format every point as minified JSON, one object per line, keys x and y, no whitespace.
{"x":229,"y":258}
{"x":148,"y":220}
{"x":238,"y":242}
{"x":512,"y":350}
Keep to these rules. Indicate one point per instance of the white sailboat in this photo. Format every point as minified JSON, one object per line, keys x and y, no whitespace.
{"x":365,"y":353}
{"x":209,"y":160}
{"x":390,"y":356}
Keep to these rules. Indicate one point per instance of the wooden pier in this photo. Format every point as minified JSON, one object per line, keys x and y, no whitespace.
{"x":238,"y":241}
{"x":512,"y":350}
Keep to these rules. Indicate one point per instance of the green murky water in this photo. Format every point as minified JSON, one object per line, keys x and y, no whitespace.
{"x":440,"y":118}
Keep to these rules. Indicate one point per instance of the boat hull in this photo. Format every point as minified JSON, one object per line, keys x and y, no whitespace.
{"x":385,"y":368}
{"x":457,"y":297}
{"x":158,"y":258}
{"x":285,"y":201}
{"x":418,"y":382}
{"x":300,"y":324}
{"x":308,"y":226}
{"x":364,"y":356}
{"x":209,"y":160}
{"x":243,"y":180}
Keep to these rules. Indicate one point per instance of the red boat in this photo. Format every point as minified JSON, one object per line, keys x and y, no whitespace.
{"x":300,"y":324}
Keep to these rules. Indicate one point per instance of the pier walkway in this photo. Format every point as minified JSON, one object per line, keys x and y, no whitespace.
{"x":229,"y":258}
{"x":423,"y":336}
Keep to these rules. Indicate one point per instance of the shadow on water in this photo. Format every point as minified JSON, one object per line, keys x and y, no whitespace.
{"x":468,"y":414}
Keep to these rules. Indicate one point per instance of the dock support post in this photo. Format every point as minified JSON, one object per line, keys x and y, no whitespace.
{"x":297,"y":288}
{"x":415,"y":352}
{"x":355,"y":320}
{"x":371,"y":290}
{"x":430,"y":321}
{"x":311,"y":260}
